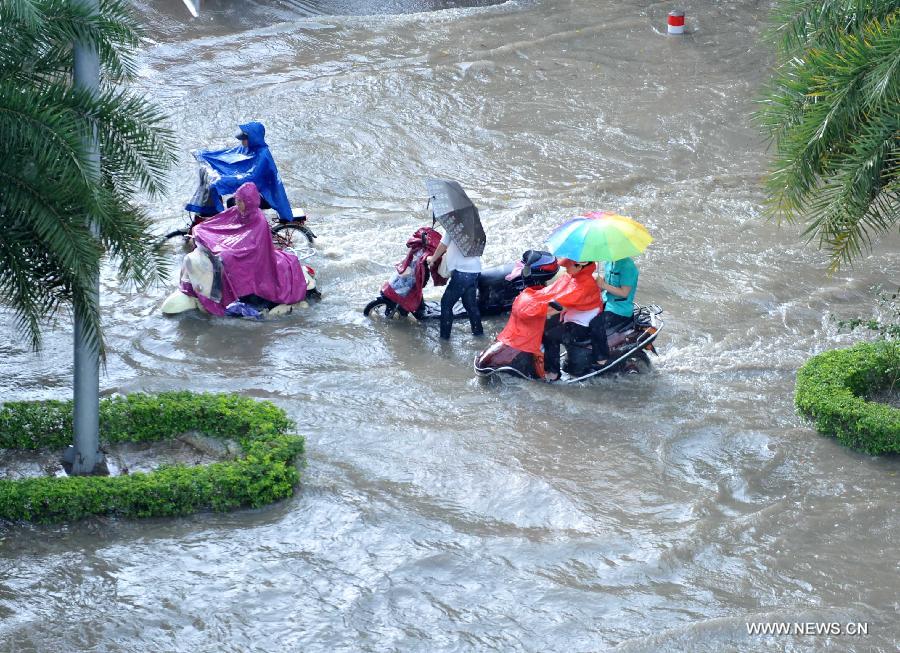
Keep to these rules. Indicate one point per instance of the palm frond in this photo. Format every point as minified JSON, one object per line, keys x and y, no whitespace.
{"x":831,"y":112}
{"x":42,"y":46}
{"x":799,"y":24}
{"x":20,"y":11}
{"x":62,"y":217}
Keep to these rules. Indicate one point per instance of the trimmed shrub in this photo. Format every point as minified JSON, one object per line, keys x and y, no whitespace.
{"x":267,"y":471}
{"x":832,"y":389}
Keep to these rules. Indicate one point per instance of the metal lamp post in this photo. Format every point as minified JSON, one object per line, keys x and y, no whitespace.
{"x":85,"y":457}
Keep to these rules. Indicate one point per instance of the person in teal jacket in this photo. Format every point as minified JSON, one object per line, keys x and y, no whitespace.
{"x":618,"y":285}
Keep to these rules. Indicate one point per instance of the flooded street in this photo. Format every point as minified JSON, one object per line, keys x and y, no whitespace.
{"x":659,"y":512}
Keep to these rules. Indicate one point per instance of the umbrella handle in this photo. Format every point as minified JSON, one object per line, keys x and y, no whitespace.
{"x":433,"y":217}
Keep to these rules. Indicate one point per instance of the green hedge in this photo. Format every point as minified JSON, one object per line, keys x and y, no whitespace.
{"x":267,"y":471}
{"x":832,"y":389}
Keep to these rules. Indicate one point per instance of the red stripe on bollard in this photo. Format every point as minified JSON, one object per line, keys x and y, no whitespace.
{"x":676,"y":22}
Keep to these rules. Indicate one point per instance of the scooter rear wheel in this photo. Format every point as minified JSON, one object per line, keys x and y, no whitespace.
{"x":637,"y":363}
{"x":291,"y":235}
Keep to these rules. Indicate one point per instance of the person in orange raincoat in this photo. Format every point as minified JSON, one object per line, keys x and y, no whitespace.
{"x":576,"y":293}
{"x":574,"y":300}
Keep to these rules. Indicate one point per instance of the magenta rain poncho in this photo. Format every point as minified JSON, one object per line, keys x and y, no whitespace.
{"x":251,"y":265}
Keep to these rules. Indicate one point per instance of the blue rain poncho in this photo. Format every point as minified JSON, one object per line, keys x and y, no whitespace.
{"x":238,"y":165}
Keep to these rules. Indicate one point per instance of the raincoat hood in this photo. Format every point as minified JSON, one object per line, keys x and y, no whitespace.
{"x":249,"y":195}
{"x":256,"y":133}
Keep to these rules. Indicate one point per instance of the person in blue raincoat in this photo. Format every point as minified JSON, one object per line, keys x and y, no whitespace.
{"x":249,"y":161}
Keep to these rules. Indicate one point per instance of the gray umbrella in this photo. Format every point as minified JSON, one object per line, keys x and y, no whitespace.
{"x":456,"y":213}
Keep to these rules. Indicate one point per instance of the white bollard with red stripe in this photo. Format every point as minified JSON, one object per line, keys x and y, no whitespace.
{"x":676,"y":22}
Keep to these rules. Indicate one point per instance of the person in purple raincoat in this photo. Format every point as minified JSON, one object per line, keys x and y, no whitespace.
{"x":251,"y":265}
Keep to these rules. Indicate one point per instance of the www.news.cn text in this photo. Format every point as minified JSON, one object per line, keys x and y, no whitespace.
{"x":815,"y":628}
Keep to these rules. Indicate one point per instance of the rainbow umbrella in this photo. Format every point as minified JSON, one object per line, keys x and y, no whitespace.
{"x":599,"y":236}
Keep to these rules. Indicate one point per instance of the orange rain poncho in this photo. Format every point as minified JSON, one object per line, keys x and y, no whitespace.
{"x":525,"y":328}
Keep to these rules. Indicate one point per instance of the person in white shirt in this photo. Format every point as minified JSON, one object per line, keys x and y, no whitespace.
{"x":464,"y":273}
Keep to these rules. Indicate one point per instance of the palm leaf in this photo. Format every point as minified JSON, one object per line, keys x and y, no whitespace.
{"x":62,"y":216}
{"x":831,"y":112}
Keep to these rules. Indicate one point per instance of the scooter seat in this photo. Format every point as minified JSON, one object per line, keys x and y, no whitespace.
{"x":494,"y":275}
{"x":614,"y":336}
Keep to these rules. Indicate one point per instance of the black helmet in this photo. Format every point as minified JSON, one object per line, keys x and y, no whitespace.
{"x":538,"y":267}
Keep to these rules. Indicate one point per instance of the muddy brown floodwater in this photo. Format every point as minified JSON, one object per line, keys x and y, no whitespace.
{"x":661,"y":512}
